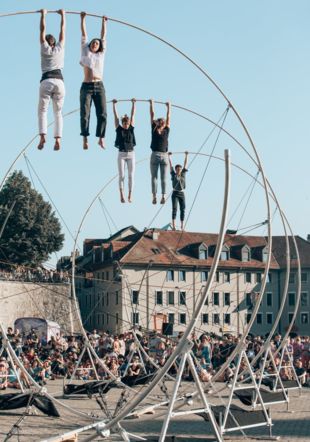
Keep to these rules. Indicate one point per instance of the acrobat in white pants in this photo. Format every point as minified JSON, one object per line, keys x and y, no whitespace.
{"x":51,"y":88}
{"x":129,"y":159}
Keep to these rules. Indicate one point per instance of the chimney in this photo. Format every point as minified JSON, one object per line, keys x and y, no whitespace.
{"x":155,"y":235}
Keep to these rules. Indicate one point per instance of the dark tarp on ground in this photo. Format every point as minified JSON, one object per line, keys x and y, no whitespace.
{"x":131,"y":381}
{"x":241,"y":417}
{"x":246,"y":396}
{"x":89,"y":388}
{"x":273,"y":382}
{"x":288,"y":384}
{"x":19,"y":400}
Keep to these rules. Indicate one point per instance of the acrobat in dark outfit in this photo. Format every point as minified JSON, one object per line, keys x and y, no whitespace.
{"x":125,"y":142}
{"x":178,"y":194}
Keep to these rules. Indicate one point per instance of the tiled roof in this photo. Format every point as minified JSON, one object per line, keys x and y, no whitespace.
{"x":279,"y":251}
{"x":176,"y":248}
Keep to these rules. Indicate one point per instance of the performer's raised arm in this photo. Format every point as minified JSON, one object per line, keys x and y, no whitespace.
{"x":42,"y":25}
{"x":62,"y":33}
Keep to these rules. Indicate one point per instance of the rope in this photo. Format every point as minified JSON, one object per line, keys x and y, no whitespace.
{"x":206,"y":168}
{"x":49,"y":196}
{"x":248,"y":200}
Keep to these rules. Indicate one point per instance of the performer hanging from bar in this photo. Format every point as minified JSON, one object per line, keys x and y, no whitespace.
{"x":52,"y":84}
{"x":92,"y":89}
{"x":125,"y":142}
{"x":159,"y":146}
{"x":178,"y":194}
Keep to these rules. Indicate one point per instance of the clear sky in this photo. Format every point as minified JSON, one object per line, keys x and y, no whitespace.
{"x":258,"y":53}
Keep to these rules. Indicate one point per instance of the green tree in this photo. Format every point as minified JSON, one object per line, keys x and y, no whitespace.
{"x":32,"y":231}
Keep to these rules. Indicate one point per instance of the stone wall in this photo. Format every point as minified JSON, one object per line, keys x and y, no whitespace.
{"x":41,"y":300}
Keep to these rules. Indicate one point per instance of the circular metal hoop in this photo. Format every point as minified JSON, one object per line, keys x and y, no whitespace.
{"x":267,"y":190}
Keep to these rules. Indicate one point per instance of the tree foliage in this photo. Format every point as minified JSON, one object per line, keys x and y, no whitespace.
{"x":32,"y":231}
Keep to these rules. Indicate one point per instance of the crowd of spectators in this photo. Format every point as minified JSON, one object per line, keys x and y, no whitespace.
{"x":39,"y":274}
{"x":58,"y":357}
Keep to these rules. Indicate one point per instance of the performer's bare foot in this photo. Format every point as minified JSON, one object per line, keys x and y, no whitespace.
{"x":173,"y":225}
{"x":122,"y":197}
{"x":42,"y":142}
{"x":101,"y":143}
{"x":85,"y":143}
{"x":154,"y":201}
{"x":57,"y":143}
{"x":129,"y":197}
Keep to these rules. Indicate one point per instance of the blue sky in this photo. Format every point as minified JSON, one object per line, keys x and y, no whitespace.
{"x":257,"y":52}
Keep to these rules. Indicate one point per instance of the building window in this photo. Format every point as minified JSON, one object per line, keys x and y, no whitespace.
{"x":258,"y":278}
{"x":107,"y":298}
{"x":135,"y":318}
{"x":216,"y":319}
{"x":304,"y":277}
{"x":269,"y":318}
{"x":107,"y":276}
{"x":265,"y":255}
{"x":248,"y":317}
{"x":291,"y":299}
{"x":226,"y":298}
{"x":216,"y":298}
{"x":182,"y":275}
{"x":217,"y":276}
{"x":135,"y":296}
{"x":116,"y":318}
{"x":205,"y":318}
{"x":108,"y":318}
{"x":170,"y":275}
{"x":304,"y":299}
{"x":116,"y":297}
{"x":290,"y":317}
{"x":203,"y":253}
{"x":204,"y":276}
{"x":259,"y":318}
{"x":207,"y":300}
{"x":227,"y":318}
{"x":248,"y":277}
{"x":159,"y":298}
{"x":182,"y":298}
{"x":224,"y":254}
{"x":246,"y":254}
{"x":226,"y":277}
{"x":292,"y":278}
{"x":171,"y":318}
{"x":248,"y":300}
{"x":170,"y":298}
{"x":182,"y":318}
{"x":269,"y":277}
{"x":269,"y":299}
{"x":304,"y":318}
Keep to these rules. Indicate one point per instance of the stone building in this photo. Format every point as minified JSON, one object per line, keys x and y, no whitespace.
{"x":50,"y":301}
{"x":156,"y":276}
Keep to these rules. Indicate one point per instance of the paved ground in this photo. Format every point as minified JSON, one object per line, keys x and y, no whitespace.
{"x":291,"y":427}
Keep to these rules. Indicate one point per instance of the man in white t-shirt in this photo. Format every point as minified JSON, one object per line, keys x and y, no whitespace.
{"x":52,"y":84}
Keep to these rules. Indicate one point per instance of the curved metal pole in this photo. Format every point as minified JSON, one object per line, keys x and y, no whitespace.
{"x":176,"y":106}
{"x":204,"y":72}
{"x":159,"y":376}
{"x":242,"y":124}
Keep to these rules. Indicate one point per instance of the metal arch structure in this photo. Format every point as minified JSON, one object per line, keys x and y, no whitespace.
{"x":265,"y":183}
{"x":194,"y":153}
